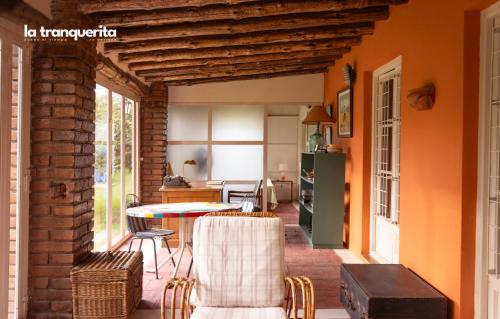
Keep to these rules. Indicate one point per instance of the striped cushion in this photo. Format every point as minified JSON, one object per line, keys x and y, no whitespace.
{"x":238,"y":262}
{"x":238,"y":313}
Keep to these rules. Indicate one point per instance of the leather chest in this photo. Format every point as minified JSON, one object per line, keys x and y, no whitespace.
{"x":376,"y":291}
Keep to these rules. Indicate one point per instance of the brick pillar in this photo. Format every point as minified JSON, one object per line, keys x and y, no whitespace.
{"x":62,"y":157}
{"x":153,"y":142}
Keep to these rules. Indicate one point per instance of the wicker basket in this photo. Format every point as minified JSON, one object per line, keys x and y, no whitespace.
{"x":107,"y":285}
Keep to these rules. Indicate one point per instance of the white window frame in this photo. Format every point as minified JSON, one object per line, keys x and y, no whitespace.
{"x":113,"y":88}
{"x":11,"y":34}
{"x":210,"y":142}
{"x":392,"y":67}
{"x":481,"y":262}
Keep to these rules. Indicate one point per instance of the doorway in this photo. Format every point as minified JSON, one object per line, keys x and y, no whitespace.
{"x":14,"y":171}
{"x":386,"y":122}
{"x":488,"y":213}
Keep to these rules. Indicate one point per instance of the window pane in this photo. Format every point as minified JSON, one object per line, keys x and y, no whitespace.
{"x":187,"y":123}
{"x":116,"y":179}
{"x":238,"y":123}
{"x":100,"y":167}
{"x":237,"y":162}
{"x":178,"y":154}
{"x":14,"y":177}
{"x":129,"y":137}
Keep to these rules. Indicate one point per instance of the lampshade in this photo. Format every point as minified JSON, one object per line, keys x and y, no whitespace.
{"x":317,"y":114}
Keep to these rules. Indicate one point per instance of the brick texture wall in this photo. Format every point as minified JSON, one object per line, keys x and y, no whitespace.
{"x":153,"y":142}
{"x":62,"y":156}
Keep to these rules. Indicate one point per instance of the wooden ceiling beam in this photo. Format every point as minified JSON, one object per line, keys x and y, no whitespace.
{"x":273,"y":36}
{"x":287,"y":22}
{"x":227,"y":52}
{"x":148,"y":65}
{"x":160,"y":16}
{"x":212,"y":74}
{"x":91,"y":6}
{"x":246,"y":77}
{"x":117,"y":75}
{"x":327,"y":60}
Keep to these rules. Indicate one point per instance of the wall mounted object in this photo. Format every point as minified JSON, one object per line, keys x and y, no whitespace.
{"x":328,"y":129}
{"x":349,"y":75}
{"x":344,"y":113}
{"x":422,"y":98}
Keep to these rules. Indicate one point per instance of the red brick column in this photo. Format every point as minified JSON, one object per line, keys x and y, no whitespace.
{"x":153,"y":142}
{"x":62,"y":157}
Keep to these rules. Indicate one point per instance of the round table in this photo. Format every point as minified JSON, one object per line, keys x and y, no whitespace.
{"x":179,"y":210}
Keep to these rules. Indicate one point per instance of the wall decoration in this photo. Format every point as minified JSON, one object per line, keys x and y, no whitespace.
{"x":344,"y":113}
{"x":422,"y":98}
{"x":329,"y":128}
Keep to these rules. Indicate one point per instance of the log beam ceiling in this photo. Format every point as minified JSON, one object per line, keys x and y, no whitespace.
{"x":184,"y":42}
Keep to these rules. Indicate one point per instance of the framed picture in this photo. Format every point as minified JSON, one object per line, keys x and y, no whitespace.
{"x":344,"y":113}
{"x":328,"y":129}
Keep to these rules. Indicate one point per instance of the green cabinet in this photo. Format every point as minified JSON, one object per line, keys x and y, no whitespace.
{"x":322,"y":218}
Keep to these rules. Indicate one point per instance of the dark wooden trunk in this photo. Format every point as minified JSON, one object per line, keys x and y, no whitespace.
{"x":370,"y":291}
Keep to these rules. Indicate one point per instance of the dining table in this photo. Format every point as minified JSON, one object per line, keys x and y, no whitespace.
{"x":185,"y":212}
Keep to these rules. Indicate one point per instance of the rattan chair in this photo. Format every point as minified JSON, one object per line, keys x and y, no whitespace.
{"x":140,"y":230}
{"x":239,"y":281}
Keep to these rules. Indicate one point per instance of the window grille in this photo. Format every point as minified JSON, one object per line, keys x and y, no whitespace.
{"x":387,"y":133}
{"x":494,"y":156}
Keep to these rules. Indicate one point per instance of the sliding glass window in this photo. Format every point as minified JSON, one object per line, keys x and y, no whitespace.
{"x":114,"y":165}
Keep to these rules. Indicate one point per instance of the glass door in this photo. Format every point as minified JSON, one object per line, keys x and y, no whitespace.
{"x":115,"y":165}
{"x":385,"y":163}
{"x":14,"y":182}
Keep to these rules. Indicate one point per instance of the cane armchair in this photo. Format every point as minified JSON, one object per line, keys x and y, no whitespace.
{"x":239,"y":272}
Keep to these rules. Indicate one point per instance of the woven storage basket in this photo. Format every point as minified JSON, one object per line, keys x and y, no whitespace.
{"x":107,"y":285}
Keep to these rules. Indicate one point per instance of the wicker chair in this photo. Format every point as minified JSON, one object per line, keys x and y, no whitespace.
{"x":239,"y":281}
{"x":140,"y":230}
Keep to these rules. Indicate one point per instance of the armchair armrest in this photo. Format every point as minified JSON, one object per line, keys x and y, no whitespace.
{"x":183,"y":285}
{"x":307,"y":292}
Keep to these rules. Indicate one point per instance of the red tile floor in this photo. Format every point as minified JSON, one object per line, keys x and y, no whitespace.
{"x":321,"y":265}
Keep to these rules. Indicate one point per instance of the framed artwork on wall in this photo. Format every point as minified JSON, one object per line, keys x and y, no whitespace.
{"x":344,"y":113}
{"x":328,"y":129}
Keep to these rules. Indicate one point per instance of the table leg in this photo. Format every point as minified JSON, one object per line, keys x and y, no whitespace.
{"x":179,"y":249}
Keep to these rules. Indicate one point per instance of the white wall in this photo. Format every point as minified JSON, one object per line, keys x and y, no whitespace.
{"x":297,"y":90}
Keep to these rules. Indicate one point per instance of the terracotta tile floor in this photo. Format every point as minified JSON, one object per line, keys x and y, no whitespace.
{"x":321,"y":265}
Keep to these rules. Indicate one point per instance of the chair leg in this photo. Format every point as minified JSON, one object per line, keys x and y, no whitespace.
{"x":140,"y":245}
{"x":190,"y":266}
{"x":169,"y":251}
{"x":130,"y":246}
{"x":156,"y":261}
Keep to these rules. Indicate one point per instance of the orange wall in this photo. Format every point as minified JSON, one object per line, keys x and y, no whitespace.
{"x":438,"y":147}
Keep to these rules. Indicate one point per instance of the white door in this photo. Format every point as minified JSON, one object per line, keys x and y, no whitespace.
{"x":488,"y":252}
{"x":385,"y":163}
{"x":14,"y":163}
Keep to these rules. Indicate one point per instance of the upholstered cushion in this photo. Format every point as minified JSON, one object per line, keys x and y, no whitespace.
{"x":238,"y":262}
{"x":238,"y":313}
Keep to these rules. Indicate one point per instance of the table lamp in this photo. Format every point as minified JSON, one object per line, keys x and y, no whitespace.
{"x":317,"y":115}
{"x":283,"y":167}
{"x":187,"y":162}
